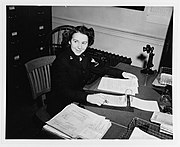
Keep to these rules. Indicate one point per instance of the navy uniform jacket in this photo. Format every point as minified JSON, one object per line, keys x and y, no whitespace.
{"x":69,"y":74}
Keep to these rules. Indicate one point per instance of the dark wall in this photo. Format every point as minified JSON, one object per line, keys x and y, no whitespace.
{"x":166,"y":58}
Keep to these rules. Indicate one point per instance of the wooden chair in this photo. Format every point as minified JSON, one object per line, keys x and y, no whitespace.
{"x":58,"y":38}
{"x":38,"y":71}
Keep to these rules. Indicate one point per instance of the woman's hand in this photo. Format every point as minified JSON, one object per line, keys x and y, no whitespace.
{"x":97,"y":99}
{"x":128,"y":75}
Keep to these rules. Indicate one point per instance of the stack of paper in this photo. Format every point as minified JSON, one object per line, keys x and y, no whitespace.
{"x":165,"y":121}
{"x":119,"y":85}
{"x":77,"y":122}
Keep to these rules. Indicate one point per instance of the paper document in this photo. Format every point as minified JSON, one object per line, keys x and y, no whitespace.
{"x":118,"y":85}
{"x":144,"y":104}
{"x":139,"y":134}
{"x":165,"y":79}
{"x":114,"y":100}
{"x":80,"y":123}
{"x":165,"y":120}
{"x":121,"y":101}
{"x":168,"y":129}
{"x":162,"y":118}
{"x":156,"y":83}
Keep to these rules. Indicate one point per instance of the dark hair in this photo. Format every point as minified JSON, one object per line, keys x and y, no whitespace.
{"x":84,"y":30}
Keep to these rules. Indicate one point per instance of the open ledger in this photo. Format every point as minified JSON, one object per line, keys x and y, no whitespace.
{"x":76,"y":122}
{"x":119,"y":85}
{"x":121,"y":101}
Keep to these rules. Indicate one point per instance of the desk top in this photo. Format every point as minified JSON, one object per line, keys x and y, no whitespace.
{"x":146,"y":92}
{"x":124,"y":117}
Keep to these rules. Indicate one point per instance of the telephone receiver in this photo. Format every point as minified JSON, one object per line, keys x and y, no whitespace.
{"x":147,"y":69}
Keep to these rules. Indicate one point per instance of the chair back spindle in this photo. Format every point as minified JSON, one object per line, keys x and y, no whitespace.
{"x":38,"y":71}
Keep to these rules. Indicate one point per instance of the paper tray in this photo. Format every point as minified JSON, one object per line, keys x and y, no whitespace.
{"x":146,"y":126}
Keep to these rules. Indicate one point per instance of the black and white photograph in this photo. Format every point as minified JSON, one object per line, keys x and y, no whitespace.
{"x":101,"y":72}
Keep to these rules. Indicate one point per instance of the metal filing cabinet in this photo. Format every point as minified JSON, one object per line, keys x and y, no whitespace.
{"x":27,"y":29}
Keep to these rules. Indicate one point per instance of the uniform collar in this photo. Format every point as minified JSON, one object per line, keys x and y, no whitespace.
{"x":72,"y":56}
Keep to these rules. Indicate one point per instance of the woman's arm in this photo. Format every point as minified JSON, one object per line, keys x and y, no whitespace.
{"x":62,"y":84}
{"x":102,"y":69}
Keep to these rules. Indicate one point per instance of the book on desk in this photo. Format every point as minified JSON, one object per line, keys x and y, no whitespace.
{"x":76,"y":122}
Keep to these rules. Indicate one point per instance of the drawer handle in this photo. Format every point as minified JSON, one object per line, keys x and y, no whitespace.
{"x":14,"y":33}
{"x":41,"y":27}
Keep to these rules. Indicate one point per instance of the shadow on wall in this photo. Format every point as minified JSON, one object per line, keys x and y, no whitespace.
{"x":143,"y":59}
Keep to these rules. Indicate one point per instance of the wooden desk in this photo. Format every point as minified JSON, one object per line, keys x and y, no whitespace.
{"x":123,"y":117}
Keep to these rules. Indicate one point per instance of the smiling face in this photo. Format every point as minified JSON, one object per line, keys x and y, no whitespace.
{"x":79,"y":43}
